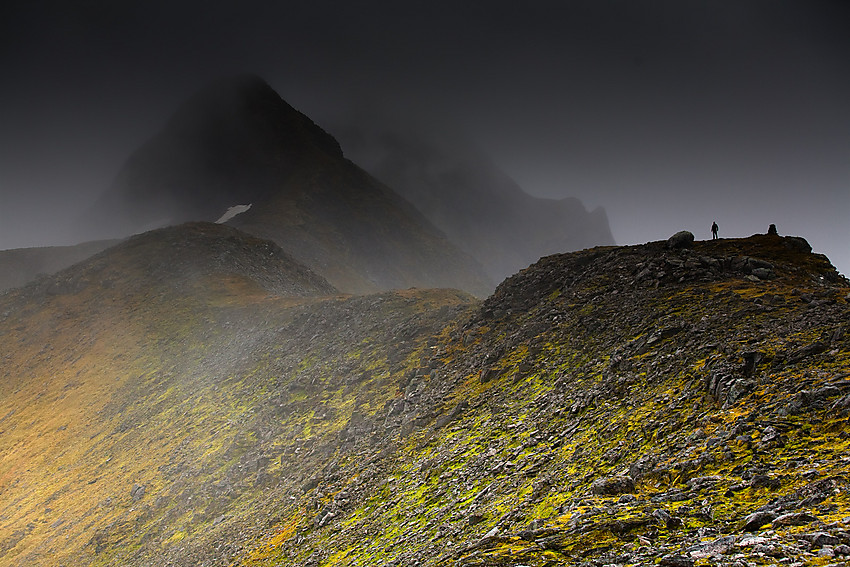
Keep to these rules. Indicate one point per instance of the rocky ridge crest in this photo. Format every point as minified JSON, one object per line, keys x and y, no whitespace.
{"x":615,"y":406}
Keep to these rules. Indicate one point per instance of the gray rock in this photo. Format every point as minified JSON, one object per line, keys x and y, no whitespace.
{"x":682,"y":239}
{"x":661,"y":515}
{"x":676,"y":561}
{"x":763,"y":273}
{"x":797,"y":243}
{"x":727,"y":385}
{"x":793,"y":519}
{"x":821,"y":539}
{"x":613,"y":485}
{"x":812,"y":349}
{"x":755,"y":264}
{"x":826,"y":551}
{"x":703,"y":482}
{"x":137,"y":492}
{"x":669,"y":521}
{"x":764,"y":481}
{"x":711,"y":548}
{"x":756,"y":520}
{"x":842,"y":403}
{"x":770,"y":438}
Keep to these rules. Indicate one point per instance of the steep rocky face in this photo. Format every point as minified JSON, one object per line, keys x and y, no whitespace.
{"x":480,"y":208}
{"x":620,"y":405}
{"x":237,"y":142}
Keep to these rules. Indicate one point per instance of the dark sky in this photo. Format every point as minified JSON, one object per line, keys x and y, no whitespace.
{"x":670,"y":114}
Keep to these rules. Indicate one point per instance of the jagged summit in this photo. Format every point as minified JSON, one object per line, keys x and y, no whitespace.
{"x":245,"y":105}
{"x":237,"y":142}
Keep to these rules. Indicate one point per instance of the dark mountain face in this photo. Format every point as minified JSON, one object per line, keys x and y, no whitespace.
{"x":189,"y":397}
{"x":479,"y":207}
{"x":238,"y":142}
{"x":234,"y":142}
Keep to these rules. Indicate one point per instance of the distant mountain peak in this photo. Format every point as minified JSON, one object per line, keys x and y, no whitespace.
{"x":476,"y":205}
{"x":231,"y":142}
{"x":237,"y":141}
{"x":247,"y":101}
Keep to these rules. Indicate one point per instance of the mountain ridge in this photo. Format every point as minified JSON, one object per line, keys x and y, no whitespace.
{"x":237,"y":142}
{"x":478,"y":206}
{"x":19,"y":266}
{"x":626,"y":405}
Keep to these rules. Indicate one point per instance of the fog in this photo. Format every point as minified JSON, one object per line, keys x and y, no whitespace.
{"x":670,"y":115}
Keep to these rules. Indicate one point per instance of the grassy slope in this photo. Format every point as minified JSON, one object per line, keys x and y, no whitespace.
{"x":363,"y":431}
{"x":576,"y":370}
{"x":196,"y":401}
{"x":166,"y":364}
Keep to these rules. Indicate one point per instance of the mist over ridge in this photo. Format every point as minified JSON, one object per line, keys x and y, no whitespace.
{"x":478,"y":206}
{"x":237,"y":142}
{"x":342,"y":324}
{"x":667,"y":114}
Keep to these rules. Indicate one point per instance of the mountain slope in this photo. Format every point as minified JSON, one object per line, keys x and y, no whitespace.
{"x":237,"y":142}
{"x":480,"y":208}
{"x":21,"y":265}
{"x":620,"y":405}
{"x":141,"y":381}
{"x":614,"y":406}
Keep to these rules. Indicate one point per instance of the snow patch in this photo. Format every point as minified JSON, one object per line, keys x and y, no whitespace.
{"x":232,"y":212}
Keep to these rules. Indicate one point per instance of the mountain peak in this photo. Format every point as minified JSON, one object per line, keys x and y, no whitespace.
{"x":246,"y":105}
{"x":238,"y":142}
{"x":231,"y":142}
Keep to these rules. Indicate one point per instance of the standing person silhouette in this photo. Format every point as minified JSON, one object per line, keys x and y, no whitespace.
{"x":714,"y":230}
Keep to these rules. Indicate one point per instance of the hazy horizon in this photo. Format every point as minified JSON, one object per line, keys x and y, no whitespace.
{"x":668,"y":115}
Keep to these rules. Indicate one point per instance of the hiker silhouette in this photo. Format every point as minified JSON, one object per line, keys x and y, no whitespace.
{"x":714,"y":230}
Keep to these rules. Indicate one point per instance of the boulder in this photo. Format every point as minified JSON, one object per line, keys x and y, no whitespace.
{"x":613,"y":485}
{"x":682,"y":239}
{"x":137,"y":492}
{"x":756,"y":520}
